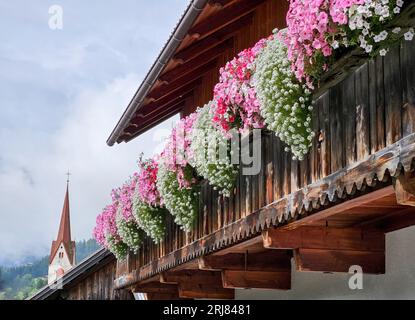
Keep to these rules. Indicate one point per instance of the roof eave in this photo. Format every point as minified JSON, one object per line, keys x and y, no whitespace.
{"x":180,"y":32}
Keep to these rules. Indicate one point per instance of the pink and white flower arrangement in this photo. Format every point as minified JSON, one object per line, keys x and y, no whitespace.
{"x":236,"y":105}
{"x":106,"y":231}
{"x":176,"y":154}
{"x":148,"y":207}
{"x":127,"y":226}
{"x":318,"y":27}
{"x":146,"y":182}
{"x":268,"y":85}
{"x":211,"y":154}
{"x":151,"y":219}
{"x":176,"y":178}
{"x":286,"y":103}
{"x":366,"y":25}
{"x":125,"y":195}
{"x":313,"y":33}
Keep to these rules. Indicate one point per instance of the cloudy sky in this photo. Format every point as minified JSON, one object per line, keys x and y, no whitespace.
{"x":61,"y":93}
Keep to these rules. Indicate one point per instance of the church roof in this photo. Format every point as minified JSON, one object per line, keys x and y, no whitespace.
{"x":64,"y":234}
{"x":86,"y":267}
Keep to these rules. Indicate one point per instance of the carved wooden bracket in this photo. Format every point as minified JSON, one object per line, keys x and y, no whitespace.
{"x":259,"y":270}
{"x":330,"y":249}
{"x":198,"y":284}
{"x":405,"y":189}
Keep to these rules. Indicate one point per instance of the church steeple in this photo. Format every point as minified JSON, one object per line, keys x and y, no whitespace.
{"x":62,"y":255}
{"x":64,"y":234}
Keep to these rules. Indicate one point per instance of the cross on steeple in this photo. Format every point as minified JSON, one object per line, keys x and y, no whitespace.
{"x":68,"y":174}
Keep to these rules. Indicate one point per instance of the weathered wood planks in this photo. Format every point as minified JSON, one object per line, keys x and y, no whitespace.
{"x":364,"y":113}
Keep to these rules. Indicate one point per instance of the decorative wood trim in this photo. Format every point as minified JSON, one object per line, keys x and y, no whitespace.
{"x":312,"y":199}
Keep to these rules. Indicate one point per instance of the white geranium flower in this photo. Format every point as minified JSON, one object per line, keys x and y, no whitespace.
{"x":290,"y":123}
{"x":383,"y":52}
{"x":211,"y":152}
{"x":409,"y":35}
{"x":396,"y":30}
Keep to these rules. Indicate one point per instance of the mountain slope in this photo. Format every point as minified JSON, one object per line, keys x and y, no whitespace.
{"x":21,"y":281}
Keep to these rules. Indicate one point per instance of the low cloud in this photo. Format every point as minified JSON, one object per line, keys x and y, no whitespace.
{"x":32,"y":181}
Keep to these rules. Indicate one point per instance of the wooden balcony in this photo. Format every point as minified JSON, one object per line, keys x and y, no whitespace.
{"x":330,"y":210}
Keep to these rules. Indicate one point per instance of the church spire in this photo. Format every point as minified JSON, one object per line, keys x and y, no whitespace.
{"x":62,"y":255}
{"x":64,"y":234}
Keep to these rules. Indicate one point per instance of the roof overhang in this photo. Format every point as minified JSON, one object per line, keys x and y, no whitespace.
{"x":205,"y":31}
{"x":181,"y":30}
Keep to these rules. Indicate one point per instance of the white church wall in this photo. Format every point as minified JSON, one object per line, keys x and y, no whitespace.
{"x":397,"y":283}
{"x":61,"y":260}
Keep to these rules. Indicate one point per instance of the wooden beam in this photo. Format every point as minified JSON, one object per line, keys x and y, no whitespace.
{"x":339,"y":260}
{"x":197,"y":284}
{"x":219,"y":3}
{"x":129,"y":136}
{"x":269,"y":260}
{"x":397,"y":220}
{"x":270,"y":269}
{"x":154,"y":117}
{"x":191,"y":276}
{"x":162,"y":296}
{"x":224,"y":17}
{"x":256,"y":279}
{"x":156,"y":287}
{"x":189,"y":66}
{"x":205,"y":292}
{"x":197,"y":73}
{"x":154,"y":108}
{"x":405,"y":189}
{"x":331,"y":249}
{"x":324,"y":238}
{"x":201,"y":46}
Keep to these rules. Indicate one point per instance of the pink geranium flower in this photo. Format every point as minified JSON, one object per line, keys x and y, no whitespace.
{"x":312,"y":25}
{"x":236,"y":104}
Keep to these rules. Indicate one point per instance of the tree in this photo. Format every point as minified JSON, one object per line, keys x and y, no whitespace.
{"x":1,"y":279}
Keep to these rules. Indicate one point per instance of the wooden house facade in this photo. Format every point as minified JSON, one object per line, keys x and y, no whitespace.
{"x":325,"y":213}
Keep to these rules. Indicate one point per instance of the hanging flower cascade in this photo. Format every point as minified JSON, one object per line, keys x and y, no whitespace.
{"x":147,"y":182}
{"x":152,"y":220}
{"x":148,"y":208}
{"x":237,"y":106}
{"x":127,"y":225}
{"x":318,"y":27}
{"x":268,"y":85}
{"x":211,"y":154}
{"x":177,"y":180}
{"x":366,"y":25}
{"x":285,"y":102}
{"x":106,"y":231}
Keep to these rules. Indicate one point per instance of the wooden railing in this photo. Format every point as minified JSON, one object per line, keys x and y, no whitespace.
{"x":373,"y":107}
